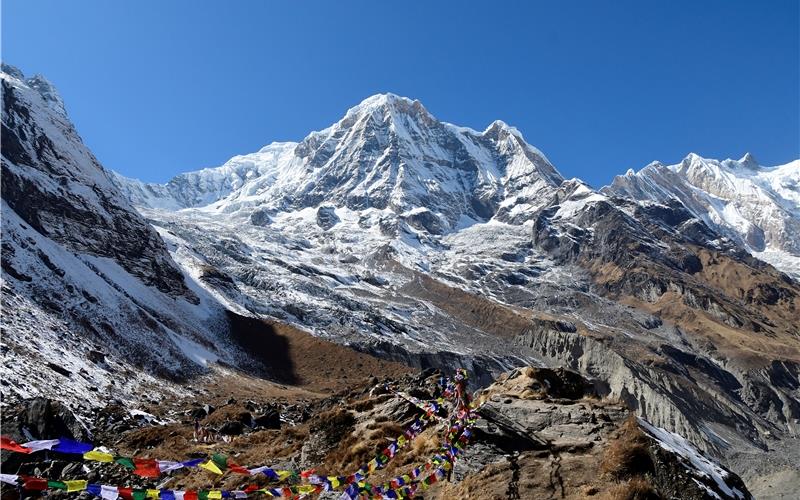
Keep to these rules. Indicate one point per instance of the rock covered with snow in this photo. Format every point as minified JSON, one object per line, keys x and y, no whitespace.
{"x":387,"y":153}
{"x":756,"y":206}
{"x":89,"y":286}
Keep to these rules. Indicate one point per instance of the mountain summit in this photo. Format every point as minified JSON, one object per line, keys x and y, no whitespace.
{"x":387,"y":153}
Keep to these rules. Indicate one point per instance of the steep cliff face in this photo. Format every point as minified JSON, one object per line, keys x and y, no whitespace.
{"x":89,"y":287}
{"x":56,"y":185}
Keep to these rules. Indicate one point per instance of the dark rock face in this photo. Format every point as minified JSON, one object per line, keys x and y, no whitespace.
{"x":70,"y":199}
{"x":425,"y":220}
{"x":234,"y":428}
{"x":51,"y":420}
{"x":269,"y":420}
{"x":326,"y":217}
{"x":260,"y":218}
{"x":674,"y":478}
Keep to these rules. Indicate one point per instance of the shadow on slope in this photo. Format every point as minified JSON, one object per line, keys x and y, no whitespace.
{"x":292,"y":356}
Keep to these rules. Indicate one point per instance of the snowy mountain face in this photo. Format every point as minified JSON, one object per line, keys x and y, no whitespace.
{"x":387,"y":154}
{"x":88,"y":285}
{"x":756,"y":206}
{"x":413,"y":239}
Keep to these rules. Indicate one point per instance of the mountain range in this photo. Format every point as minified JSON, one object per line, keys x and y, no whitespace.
{"x":674,"y":289}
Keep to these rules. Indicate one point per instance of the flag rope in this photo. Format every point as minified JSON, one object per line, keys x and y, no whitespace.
{"x":404,"y":486}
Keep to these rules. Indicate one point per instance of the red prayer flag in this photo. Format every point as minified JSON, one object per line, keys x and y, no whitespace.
{"x":307,"y":473}
{"x":6,"y":443}
{"x":190,"y":495}
{"x":238,"y":468}
{"x":125,"y":493}
{"x":34,"y":483}
{"x":250,"y":487}
{"x":146,"y":467}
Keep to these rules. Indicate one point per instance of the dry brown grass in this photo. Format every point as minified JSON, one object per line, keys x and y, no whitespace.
{"x":334,"y":423}
{"x":638,"y":488}
{"x":358,"y":448}
{"x":627,"y":455}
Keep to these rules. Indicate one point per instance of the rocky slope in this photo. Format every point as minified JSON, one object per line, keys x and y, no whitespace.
{"x":89,"y":286}
{"x":539,"y":433}
{"x":646,"y":294}
{"x":756,"y":206}
{"x":437,"y":246}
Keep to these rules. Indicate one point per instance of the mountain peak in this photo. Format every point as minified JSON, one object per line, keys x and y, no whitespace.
{"x":388,"y":102}
{"x":46,"y":90}
{"x":500,"y":125}
{"x":748,"y":160}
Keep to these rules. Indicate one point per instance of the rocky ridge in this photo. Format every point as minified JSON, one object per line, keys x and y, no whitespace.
{"x":756,"y":206}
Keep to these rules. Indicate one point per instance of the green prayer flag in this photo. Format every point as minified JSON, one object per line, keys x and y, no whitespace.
{"x":125,"y":462}
{"x":220,"y":460}
{"x":57,"y":484}
{"x":202,"y":495}
{"x":139,"y":494}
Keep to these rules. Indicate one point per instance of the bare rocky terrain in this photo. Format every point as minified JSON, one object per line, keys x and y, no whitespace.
{"x":539,"y":433}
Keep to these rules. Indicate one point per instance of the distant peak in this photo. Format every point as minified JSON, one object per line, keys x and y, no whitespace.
{"x":384,"y":99}
{"x":387,"y":105}
{"x":41,"y":85}
{"x":654,"y":164}
{"x":748,"y":160}
{"x":48,"y":92}
{"x":13,"y":71}
{"x":500,"y":125}
{"x":388,"y":101}
{"x":693,"y":157}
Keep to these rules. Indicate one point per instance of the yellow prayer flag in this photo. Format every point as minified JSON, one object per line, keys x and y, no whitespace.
{"x":305,"y":489}
{"x":210,"y":466}
{"x":283,"y":474}
{"x":214,"y":494}
{"x":152,"y":494}
{"x":334,"y":481}
{"x":76,"y":485}
{"x":98,"y":456}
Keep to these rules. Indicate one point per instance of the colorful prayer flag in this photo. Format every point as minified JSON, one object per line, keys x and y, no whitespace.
{"x":76,"y":485}
{"x":6,"y":443}
{"x":70,"y":446}
{"x":98,"y":456}
{"x":210,"y":466}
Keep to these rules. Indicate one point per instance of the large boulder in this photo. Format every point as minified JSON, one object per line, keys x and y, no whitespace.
{"x":233,"y":428}
{"x":48,"y":419}
{"x":271,"y":419}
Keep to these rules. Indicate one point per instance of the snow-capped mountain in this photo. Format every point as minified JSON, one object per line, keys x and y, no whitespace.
{"x":389,"y":154}
{"x":419,"y":241}
{"x":89,"y":287}
{"x":757,"y":206}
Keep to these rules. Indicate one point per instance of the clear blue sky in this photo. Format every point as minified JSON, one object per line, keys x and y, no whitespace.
{"x":161,"y":87}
